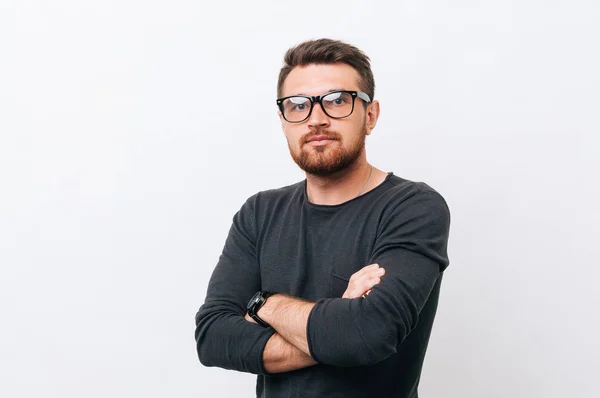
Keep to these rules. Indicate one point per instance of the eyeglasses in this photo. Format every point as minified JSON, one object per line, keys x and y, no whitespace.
{"x":335,"y":104}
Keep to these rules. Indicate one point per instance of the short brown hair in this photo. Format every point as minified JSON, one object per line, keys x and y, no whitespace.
{"x":327,"y":51}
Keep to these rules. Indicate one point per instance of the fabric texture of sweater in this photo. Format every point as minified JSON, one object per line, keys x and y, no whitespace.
{"x":365,"y":347}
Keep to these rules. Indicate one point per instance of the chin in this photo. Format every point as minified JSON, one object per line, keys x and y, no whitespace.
{"x":325,"y":160}
{"x":323,"y":167}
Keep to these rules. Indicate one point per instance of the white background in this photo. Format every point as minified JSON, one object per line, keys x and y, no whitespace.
{"x":123,"y":159}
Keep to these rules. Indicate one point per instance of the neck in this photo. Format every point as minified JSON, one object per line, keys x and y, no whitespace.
{"x":342,"y":186}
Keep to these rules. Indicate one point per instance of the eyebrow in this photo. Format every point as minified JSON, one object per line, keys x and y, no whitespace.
{"x":327,"y":92}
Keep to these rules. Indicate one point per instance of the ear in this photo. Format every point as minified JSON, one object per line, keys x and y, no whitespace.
{"x":372,"y":115}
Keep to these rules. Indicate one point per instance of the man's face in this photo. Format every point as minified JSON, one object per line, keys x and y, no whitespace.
{"x":341,"y":141}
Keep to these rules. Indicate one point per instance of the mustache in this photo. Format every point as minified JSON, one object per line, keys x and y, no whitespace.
{"x":331,"y":135}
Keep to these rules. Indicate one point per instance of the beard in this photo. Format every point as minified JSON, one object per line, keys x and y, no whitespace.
{"x":330,"y":158}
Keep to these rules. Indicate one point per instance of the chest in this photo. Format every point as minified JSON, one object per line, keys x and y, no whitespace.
{"x":312,"y":255}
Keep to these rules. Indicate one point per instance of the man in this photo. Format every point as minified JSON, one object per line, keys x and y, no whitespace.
{"x":328,"y":287}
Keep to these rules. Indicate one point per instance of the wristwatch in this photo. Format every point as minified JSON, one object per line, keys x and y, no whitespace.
{"x":257,"y":301}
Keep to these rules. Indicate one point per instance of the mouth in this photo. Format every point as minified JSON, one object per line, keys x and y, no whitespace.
{"x":320,"y":140}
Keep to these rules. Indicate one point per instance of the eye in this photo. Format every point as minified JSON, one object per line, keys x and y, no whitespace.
{"x":296,"y":104}
{"x":337,"y":99}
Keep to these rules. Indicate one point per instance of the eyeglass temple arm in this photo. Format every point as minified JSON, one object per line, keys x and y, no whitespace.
{"x":363,"y":96}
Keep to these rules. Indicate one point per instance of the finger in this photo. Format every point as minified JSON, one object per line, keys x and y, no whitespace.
{"x":366,"y":286}
{"x":366,"y":269}
{"x":369,"y":283}
{"x":367,"y":280}
{"x":360,"y":286}
{"x":363,"y":280}
{"x":379,"y":271}
{"x":374,"y":281}
{"x":372,"y":273}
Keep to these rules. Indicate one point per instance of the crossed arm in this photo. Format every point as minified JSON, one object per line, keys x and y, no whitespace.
{"x":288,"y":348}
{"x":355,"y":332}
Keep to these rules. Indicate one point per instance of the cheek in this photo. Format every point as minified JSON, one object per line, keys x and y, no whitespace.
{"x":350,"y":133}
{"x":292,"y":136}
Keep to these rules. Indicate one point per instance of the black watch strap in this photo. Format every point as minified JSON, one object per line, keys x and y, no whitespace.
{"x":260,"y":321}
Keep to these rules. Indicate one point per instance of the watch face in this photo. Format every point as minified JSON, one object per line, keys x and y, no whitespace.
{"x":253,"y":301}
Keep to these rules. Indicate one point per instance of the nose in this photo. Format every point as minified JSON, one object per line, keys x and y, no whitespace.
{"x":318,"y":118}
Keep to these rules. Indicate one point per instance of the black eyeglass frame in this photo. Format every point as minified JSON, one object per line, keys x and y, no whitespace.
{"x":319,"y":99}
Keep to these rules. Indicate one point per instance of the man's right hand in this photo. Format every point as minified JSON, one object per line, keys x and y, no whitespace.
{"x":363,"y":280}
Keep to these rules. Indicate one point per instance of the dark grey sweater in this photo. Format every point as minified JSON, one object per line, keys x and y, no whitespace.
{"x":365,"y":347}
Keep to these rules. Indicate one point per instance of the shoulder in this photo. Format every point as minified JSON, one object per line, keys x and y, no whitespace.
{"x":285,"y":192}
{"x":417,"y":218}
{"x":407,"y":194}
{"x":276,"y":197}
{"x":262,"y":204}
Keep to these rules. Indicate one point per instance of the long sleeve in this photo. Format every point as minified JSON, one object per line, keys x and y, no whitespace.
{"x":412,"y":247}
{"x":223,"y":337}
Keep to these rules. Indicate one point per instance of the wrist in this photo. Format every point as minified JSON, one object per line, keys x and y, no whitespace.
{"x":269,"y":307}
{"x":255,"y":304}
